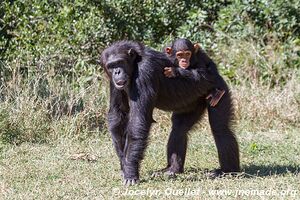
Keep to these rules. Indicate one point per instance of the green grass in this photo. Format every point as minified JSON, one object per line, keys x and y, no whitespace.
{"x":270,"y":161}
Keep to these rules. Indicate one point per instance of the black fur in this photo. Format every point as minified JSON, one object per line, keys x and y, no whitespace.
{"x":142,"y":87}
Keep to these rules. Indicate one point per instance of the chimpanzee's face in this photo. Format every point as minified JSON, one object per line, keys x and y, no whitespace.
{"x":119,"y":64}
{"x":181,"y":52}
{"x":183,"y":58}
{"x":120,"y":71}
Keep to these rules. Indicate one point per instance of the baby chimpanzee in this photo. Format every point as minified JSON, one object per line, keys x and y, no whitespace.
{"x":192,"y":57}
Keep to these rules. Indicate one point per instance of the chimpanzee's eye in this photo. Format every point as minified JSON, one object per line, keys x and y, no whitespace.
{"x":108,"y":66}
{"x":188,"y":53}
{"x":180,"y":54}
{"x":114,"y":65}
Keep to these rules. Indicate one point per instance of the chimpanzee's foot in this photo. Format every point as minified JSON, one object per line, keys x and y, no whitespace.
{"x":130,"y":182}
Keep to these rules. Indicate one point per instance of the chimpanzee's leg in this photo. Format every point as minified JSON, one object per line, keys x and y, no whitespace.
{"x":220,"y":118}
{"x":177,"y":144}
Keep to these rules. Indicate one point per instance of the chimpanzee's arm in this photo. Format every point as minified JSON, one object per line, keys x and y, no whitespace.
{"x":141,"y":101}
{"x":197,"y":74}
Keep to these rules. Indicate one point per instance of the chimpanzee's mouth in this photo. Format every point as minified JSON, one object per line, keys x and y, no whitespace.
{"x":120,"y":84}
{"x":184,"y":64}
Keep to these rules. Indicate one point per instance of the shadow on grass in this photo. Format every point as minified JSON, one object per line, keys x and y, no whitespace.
{"x":257,"y":170}
{"x":250,"y":171}
{"x":270,"y":170}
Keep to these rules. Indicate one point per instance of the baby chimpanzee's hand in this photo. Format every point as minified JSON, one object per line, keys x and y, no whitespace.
{"x":215,"y":97}
{"x":169,"y":72}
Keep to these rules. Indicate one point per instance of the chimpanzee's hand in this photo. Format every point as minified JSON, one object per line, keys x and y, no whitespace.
{"x":169,"y":72}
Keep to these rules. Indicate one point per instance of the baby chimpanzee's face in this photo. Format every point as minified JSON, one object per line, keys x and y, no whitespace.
{"x":183,"y":58}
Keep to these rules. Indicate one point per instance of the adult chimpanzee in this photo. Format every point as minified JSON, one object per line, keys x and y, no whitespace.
{"x":137,"y":86}
{"x":181,"y":53}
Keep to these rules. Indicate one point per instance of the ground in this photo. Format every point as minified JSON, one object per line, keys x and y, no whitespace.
{"x":89,"y":169}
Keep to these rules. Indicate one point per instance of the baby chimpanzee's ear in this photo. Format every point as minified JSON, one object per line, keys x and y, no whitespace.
{"x":196,"y":47}
{"x":168,"y":50}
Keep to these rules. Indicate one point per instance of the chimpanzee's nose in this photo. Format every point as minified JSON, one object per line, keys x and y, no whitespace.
{"x":117,"y":71}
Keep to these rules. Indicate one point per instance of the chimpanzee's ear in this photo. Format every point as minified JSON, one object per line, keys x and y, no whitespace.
{"x":103,"y":58}
{"x":196,"y":47}
{"x":103,"y":61}
{"x":168,"y":50}
{"x":132,"y":53}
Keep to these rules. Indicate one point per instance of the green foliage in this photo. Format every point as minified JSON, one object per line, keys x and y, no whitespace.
{"x":257,"y":19}
{"x":80,"y":27}
{"x":61,"y":34}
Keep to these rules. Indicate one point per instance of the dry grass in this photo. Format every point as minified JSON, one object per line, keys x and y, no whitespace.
{"x":263,"y":108}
